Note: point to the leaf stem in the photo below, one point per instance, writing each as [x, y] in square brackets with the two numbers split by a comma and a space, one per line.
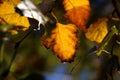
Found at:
[1, 53]
[54, 16]
[106, 40]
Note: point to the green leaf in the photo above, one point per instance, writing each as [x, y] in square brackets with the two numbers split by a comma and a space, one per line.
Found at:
[105, 41]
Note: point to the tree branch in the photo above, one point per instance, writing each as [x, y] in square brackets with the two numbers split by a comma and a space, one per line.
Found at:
[116, 7]
[17, 44]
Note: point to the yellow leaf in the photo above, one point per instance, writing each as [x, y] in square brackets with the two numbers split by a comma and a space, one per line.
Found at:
[13, 32]
[13, 2]
[70, 4]
[98, 30]
[9, 16]
[6, 8]
[17, 20]
[77, 11]
[64, 40]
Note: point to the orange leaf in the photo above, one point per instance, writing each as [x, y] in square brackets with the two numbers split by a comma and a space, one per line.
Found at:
[13, 2]
[77, 11]
[98, 30]
[63, 41]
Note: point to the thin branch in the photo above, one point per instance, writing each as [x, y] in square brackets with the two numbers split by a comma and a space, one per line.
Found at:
[81, 60]
[17, 44]
[74, 66]
[113, 44]
[52, 13]
[1, 53]
[116, 7]
[118, 42]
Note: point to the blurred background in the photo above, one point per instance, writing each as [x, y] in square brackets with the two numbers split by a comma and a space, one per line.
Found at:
[34, 62]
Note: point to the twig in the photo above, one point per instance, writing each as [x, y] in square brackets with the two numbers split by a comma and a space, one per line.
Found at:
[1, 53]
[74, 67]
[113, 45]
[118, 42]
[81, 60]
[116, 7]
[17, 44]
[54, 16]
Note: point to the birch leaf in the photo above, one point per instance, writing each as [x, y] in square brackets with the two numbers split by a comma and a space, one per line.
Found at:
[77, 11]
[63, 41]
[9, 16]
[97, 31]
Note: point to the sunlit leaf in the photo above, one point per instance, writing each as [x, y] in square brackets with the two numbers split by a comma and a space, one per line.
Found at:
[9, 16]
[6, 8]
[97, 31]
[63, 41]
[18, 21]
[13, 2]
[77, 11]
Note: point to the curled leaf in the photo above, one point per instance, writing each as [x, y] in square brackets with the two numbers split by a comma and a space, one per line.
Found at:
[63, 41]
[77, 11]
[97, 31]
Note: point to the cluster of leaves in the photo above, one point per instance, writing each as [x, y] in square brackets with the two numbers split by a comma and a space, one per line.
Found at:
[63, 38]
[78, 13]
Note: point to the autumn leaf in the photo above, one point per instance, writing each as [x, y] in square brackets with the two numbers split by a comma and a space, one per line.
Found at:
[77, 11]
[13, 2]
[6, 8]
[18, 21]
[63, 41]
[98, 30]
[9, 16]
